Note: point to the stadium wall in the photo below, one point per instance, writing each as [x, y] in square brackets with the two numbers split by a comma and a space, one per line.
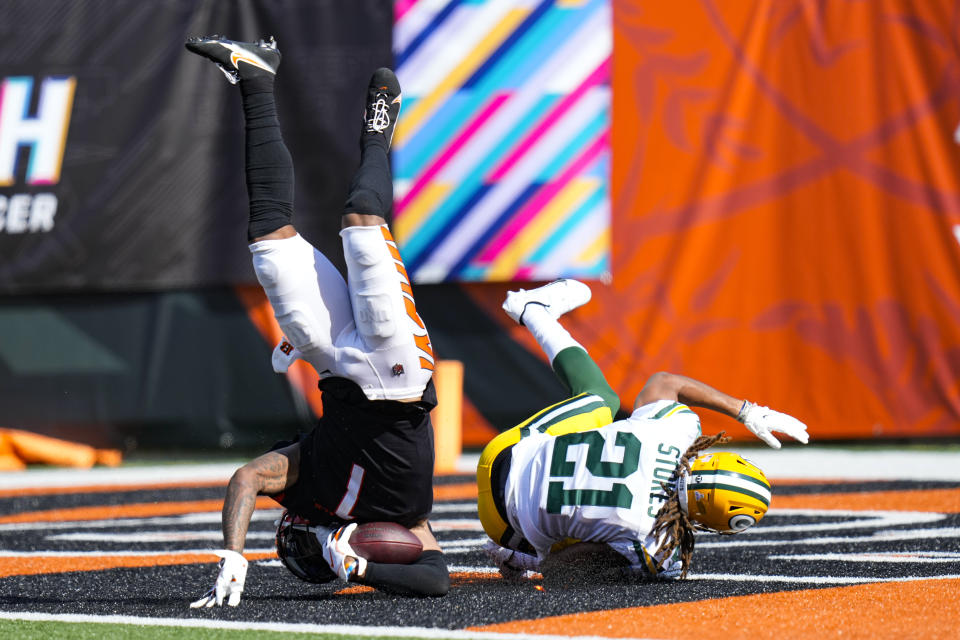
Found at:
[786, 185]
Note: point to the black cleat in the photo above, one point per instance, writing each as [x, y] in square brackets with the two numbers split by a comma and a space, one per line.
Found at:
[259, 57]
[383, 105]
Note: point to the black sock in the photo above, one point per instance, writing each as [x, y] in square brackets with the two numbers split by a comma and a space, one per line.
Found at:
[428, 576]
[269, 167]
[371, 190]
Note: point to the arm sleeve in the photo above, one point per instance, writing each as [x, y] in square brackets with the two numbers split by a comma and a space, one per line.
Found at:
[428, 576]
[580, 374]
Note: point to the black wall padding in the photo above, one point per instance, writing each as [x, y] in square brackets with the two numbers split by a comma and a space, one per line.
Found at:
[173, 370]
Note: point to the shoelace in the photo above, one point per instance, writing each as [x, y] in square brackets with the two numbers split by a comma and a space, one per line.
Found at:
[379, 120]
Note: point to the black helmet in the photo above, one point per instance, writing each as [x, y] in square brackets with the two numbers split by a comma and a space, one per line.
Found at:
[300, 551]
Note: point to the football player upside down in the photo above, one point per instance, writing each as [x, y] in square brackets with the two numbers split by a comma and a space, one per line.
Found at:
[370, 457]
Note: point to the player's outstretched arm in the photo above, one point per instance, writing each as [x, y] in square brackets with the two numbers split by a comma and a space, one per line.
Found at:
[670, 386]
[761, 421]
[268, 474]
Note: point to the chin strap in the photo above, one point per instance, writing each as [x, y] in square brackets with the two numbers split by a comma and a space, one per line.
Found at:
[682, 493]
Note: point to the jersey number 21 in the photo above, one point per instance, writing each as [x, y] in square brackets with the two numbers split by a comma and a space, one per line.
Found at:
[618, 495]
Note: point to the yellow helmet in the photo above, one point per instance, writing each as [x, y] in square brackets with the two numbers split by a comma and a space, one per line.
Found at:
[724, 493]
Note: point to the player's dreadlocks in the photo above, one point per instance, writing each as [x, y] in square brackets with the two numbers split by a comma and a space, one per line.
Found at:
[672, 523]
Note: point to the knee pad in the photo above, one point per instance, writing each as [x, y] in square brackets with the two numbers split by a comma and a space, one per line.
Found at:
[281, 263]
[297, 327]
[266, 270]
[280, 270]
[365, 247]
[373, 278]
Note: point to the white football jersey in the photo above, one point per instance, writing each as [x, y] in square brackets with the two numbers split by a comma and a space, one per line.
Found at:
[598, 485]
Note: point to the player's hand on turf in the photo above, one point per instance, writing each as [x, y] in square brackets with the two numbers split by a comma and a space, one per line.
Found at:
[513, 565]
[229, 584]
[761, 421]
[341, 557]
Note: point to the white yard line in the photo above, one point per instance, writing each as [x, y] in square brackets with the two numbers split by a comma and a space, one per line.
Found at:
[731, 577]
[360, 631]
[118, 554]
[828, 463]
[893, 557]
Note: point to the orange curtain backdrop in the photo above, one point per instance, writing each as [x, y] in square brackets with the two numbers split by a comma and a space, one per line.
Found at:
[785, 192]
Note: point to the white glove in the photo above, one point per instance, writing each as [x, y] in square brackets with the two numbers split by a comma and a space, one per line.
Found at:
[343, 560]
[229, 584]
[513, 565]
[761, 421]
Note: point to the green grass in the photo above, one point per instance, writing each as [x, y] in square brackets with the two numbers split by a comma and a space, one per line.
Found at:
[48, 630]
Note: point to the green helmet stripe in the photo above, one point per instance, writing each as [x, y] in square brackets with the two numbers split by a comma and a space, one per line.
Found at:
[706, 486]
[735, 474]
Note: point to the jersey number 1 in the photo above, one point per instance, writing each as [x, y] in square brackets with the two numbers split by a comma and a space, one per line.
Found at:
[618, 495]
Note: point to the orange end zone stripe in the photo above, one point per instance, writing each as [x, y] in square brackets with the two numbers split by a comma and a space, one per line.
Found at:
[485, 436]
[460, 578]
[138, 510]
[784, 482]
[354, 590]
[23, 566]
[457, 579]
[462, 491]
[108, 488]
[925, 608]
[26, 566]
[935, 500]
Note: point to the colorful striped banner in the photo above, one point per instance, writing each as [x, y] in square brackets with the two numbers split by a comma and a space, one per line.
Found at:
[501, 156]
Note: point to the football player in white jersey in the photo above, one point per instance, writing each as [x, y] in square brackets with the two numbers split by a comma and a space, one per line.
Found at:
[371, 456]
[570, 491]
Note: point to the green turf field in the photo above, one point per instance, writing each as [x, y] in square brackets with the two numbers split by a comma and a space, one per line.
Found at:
[45, 630]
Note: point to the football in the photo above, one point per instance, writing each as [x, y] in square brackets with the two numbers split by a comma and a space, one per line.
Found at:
[386, 542]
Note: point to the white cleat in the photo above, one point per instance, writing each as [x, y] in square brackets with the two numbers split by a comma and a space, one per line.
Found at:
[559, 297]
